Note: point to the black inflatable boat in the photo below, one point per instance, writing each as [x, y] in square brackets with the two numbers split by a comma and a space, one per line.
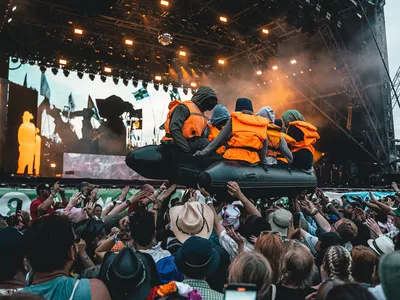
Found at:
[213, 173]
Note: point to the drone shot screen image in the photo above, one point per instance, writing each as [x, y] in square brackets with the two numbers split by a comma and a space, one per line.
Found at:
[78, 126]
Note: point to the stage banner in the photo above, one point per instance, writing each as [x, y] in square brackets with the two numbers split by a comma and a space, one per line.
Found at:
[9, 197]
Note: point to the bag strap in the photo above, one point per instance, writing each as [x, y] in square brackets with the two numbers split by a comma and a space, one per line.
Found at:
[74, 290]
[273, 294]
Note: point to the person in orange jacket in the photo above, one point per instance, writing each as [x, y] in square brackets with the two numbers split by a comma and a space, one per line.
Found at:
[282, 161]
[218, 120]
[276, 140]
[186, 124]
[244, 134]
[306, 136]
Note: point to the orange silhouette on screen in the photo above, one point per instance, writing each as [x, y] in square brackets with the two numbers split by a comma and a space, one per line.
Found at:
[38, 146]
[26, 141]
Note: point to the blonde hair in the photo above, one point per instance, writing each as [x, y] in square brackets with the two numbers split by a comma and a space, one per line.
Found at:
[252, 267]
[297, 266]
[271, 246]
[337, 263]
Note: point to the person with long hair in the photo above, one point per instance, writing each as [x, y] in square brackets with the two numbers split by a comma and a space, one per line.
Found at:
[337, 264]
[271, 246]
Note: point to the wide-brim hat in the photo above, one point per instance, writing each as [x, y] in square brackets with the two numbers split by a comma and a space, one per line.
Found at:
[389, 275]
[191, 219]
[126, 274]
[197, 258]
[381, 245]
[280, 221]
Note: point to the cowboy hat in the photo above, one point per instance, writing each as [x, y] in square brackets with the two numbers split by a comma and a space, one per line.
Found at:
[381, 245]
[191, 219]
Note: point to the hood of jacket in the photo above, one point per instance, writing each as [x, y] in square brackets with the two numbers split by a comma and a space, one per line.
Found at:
[205, 98]
[220, 115]
[267, 112]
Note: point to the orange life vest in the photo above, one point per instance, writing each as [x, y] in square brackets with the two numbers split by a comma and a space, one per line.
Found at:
[214, 131]
[274, 139]
[290, 141]
[194, 126]
[310, 136]
[248, 136]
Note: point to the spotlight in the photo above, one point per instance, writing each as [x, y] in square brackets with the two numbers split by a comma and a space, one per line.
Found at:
[107, 69]
[66, 73]
[164, 3]
[14, 60]
[78, 31]
[116, 80]
[135, 83]
[185, 91]
[310, 70]
[144, 84]
[103, 78]
[14, 8]
[275, 68]
[62, 61]
[301, 72]
[293, 62]
[223, 19]
[128, 42]
[125, 81]
[259, 72]
[165, 38]
[158, 78]
[53, 165]
[165, 88]
[156, 86]
[182, 53]
[91, 76]
[221, 61]
[80, 75]
[54, 71]
[9, 20]
[265, 31]
[193, 84]
[42, 69]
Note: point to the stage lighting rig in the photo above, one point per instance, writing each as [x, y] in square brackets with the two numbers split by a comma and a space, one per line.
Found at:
[165, 88]
[115, 80]
[66, 73]
[80, 74]
[125, 81]
[42, 69]
[91, 76]
[144, 84]
[135, 83]
[185, 90]
[54, 71]
[62, 61]
[14, 60]
[103, 78]
[156, 86]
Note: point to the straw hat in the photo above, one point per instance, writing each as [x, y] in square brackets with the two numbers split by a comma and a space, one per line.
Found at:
[192, 219]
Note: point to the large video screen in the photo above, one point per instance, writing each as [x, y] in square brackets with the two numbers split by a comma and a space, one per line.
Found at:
[86, 115]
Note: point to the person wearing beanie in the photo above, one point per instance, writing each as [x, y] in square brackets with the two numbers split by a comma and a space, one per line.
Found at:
[186, 124]
[276, 140]
[244, 134]
[218, 120]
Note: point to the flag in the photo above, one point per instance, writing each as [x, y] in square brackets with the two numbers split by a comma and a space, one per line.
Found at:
[71, 102]
[174, 95]
[141, 94]
[90, 104]
[44, 87]
[26, 80]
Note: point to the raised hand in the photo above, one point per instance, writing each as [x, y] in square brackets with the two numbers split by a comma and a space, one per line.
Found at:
[307, 206]
[234, 190]
[56, 187]
[203, 191]
[168, 192]
[75, 199]
[373, 226]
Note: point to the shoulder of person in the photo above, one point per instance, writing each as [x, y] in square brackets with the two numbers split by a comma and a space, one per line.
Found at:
[98, 290]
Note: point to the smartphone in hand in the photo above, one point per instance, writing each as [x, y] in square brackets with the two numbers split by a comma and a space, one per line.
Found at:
[296, 220]
[240, 291]
[19, 206]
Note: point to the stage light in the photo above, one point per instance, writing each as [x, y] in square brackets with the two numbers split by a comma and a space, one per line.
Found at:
[128, 42]
[125, 81]
[165, 88]
[53, 165]
[275, 68]
[165, 38]
[80, 75]
[182, 53]
[107, 69]
[62, 61]
[144, 84]
[156, 86]
[158, 77]
[185, 91]
[293, 62]
[66, 73]
[78, 31]
[9, 20]
[259, 72]
[193, 84]
[14, 8]
[42, 69]
[32, 62]
[221, 61]
[103, 78]
[54, 71]
[301, 72]
[116, 80]
[91, 76]
[310, 70]
[135, 83]
[294, 74]
[265, 31]
[164, 3]
[14, 60]
[223, 19]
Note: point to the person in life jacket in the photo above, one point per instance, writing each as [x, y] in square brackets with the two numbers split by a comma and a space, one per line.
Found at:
[244, 135]
[282, 160]
[186, 123]
[305, 135]
[218, 120]
[276, 140]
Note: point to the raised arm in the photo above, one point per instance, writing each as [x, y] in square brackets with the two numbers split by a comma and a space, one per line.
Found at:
[50, 200]
[234, 191]
[220, 140]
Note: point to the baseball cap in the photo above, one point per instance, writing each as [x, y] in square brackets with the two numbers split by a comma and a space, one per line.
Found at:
[42, 187]
[230, 216]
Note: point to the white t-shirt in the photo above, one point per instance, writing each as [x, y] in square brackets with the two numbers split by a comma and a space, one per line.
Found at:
[157, 252]
[231, 246]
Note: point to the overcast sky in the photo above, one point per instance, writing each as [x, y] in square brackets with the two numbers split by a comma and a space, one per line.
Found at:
[392, 11]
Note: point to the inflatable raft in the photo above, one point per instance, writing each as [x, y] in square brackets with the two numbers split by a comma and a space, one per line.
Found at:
[213, 173]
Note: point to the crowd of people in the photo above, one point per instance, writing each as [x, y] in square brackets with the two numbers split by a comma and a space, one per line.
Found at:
[154, 245]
